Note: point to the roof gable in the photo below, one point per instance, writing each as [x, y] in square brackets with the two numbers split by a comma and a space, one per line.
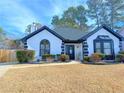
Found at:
[40, 30]
[71, 34]
[99, 28]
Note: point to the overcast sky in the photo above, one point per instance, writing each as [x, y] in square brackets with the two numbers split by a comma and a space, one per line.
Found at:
[15, 15]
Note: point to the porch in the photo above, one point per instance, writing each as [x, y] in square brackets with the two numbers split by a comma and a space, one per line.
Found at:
[74, 50]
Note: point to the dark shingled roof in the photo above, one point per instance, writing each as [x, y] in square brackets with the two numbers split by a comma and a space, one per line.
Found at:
[70, 33]
[67, 34]
[104, 27]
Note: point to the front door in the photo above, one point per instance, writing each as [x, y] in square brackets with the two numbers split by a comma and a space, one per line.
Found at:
[70, 51]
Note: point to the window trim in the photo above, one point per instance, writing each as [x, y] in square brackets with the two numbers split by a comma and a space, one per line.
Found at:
[102, 45]
[40, 53]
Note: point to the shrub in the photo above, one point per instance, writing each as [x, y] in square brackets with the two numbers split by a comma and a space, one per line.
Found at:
[96, 57]
[121, 52]
[102, 56]
[64, 57]
[48, 57]
[86, 59]
[120, 58]
[58, 56]
[108, 57]
[25, 55]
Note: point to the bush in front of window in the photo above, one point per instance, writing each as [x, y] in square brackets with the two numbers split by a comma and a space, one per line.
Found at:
[120, 57]
[121, 52]
[97, 57]
[48, 57]
[108, 57]
[58, 57]
[64, 57]
[86, 59]
[25, 55]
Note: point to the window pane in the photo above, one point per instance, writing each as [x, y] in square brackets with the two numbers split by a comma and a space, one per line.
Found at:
[98, 50]
[107, 45]
[97, 44]
[47, 46]
[107, 51]
[42, 46]
[42, 52]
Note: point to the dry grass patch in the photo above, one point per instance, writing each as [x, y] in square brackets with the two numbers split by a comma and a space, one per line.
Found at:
[76, 78]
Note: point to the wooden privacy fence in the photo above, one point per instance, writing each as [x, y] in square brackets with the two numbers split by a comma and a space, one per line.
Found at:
[8, 55]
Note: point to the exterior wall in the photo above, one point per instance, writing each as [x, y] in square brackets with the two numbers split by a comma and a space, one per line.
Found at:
[78, 50]
[122, 45]
[33, 43]
[102, 32]
[122, 42]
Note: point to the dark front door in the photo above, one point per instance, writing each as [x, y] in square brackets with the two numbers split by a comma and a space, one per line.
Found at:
[70, 51]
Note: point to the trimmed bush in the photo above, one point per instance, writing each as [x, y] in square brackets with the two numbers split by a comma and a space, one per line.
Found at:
[25, 55]
[58, 57]
[64, 57]
[121, 52]
[86, 59]
[96, 57]
[108, 57]
[48, 57]
[120, 58]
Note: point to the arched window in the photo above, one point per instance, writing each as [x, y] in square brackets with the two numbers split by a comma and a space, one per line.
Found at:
[44, 47]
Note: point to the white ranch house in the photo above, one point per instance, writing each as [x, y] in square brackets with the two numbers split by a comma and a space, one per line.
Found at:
[73, 42]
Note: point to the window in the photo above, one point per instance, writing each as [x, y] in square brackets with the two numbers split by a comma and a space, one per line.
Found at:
[107, 48]
[98, 47]
[104, 44]
[44, 47]
[103, 47]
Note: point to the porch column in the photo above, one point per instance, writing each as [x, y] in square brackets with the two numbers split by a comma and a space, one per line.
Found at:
[85, 48]
[62, 48]
[120, 45]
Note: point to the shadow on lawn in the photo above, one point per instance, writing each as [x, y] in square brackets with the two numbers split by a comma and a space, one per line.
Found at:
[101, 63]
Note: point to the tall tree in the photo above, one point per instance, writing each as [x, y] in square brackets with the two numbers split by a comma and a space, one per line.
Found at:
[14, 44]
[2, 35]
[106, 11]
[1, 30]
[73, 17]
[116, 8]
[55, 20]
[93, 11]
[33, 27]
[3, 39]
[81, 18]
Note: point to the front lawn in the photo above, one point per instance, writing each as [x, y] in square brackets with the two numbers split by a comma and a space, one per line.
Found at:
[75, 78]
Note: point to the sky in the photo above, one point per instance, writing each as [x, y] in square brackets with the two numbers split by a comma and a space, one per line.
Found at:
[15, 15]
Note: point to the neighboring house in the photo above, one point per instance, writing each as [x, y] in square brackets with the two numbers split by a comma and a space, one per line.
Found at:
[73, 42]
